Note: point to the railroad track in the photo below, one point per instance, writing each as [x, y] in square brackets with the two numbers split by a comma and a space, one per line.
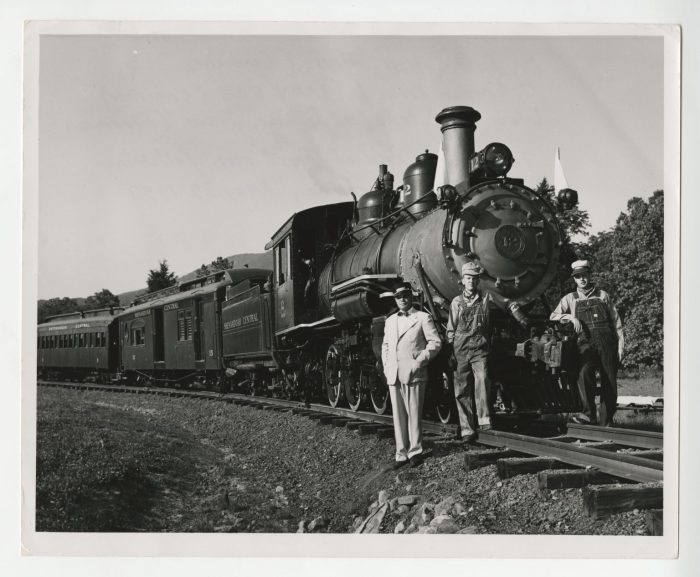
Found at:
[618, 470]
[363, 421]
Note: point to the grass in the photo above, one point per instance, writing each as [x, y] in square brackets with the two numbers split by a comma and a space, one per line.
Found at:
[101, 468]
[641, 386]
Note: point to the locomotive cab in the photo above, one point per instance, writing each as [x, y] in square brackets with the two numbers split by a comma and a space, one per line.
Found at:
[301, 248]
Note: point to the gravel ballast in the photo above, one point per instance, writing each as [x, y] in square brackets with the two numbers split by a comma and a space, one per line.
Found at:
[242, 469]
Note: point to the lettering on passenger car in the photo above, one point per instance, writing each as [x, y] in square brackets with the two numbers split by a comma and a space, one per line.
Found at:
[240, 321]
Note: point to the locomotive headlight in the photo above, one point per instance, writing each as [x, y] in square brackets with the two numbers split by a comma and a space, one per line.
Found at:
[494, 160]
[567, 198]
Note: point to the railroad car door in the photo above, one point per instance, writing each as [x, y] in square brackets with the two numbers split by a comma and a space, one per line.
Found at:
[112, 336]
[198, 337]
[284, 310]
[158, 336]
[210, 349]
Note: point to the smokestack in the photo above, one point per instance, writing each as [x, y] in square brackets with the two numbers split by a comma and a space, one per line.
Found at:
[458, 124]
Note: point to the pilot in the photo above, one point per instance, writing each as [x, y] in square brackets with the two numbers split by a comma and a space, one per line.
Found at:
[468, 332]
[600, 343]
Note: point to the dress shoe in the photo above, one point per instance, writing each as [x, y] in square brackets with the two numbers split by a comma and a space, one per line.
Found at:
[399, 464]
[469, 439]
[581, 419]
[416, 461]
[484, 428]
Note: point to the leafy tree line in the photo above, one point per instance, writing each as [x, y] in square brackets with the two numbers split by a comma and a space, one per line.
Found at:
[157, 279]
[627, 262]
[103, 299]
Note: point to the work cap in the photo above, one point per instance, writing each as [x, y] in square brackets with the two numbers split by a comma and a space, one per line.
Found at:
[471, 269]
[580, 266]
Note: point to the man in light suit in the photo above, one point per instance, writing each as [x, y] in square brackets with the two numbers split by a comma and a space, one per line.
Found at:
[410, 342]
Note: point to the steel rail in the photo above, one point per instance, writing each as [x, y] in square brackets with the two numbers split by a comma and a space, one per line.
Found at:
[368, 417]
[428, 426]
[629, 437]
[621, 465]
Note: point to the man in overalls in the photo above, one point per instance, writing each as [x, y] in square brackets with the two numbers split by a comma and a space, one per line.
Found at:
[600, 343]
[468, 333]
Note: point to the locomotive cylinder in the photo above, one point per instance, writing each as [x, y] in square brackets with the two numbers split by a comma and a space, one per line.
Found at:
[458, 124]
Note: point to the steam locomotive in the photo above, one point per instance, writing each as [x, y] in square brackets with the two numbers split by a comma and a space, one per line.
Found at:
[313, 325]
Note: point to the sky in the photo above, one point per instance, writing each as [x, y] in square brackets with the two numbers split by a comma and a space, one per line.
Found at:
[186, 148]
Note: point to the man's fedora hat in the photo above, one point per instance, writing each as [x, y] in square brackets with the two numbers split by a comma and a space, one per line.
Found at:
[399, 289]
[580, 266]
[471, 269]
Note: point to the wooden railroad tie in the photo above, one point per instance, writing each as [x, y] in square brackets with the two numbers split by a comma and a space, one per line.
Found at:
[653, 454]
[655, 522]
[275, 408]
[476, 459]
[513, 467]
[302, 411]
[600, 502]
[369, 428]
[353, 425]
[569, 479]
[326, 419]
[340, 421]
[315, 415]
[385, 432]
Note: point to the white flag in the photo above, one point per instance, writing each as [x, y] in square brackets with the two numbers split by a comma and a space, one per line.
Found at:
[441, 170]
[559, 178]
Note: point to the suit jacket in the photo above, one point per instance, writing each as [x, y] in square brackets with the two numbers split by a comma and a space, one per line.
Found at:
[406, 356]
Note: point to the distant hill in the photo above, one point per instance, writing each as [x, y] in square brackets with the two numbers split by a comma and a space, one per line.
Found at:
[253, 260]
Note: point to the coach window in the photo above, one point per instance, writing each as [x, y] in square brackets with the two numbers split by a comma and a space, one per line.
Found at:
[138, 336]
[181, 332]
[188, 318]
[184, 325]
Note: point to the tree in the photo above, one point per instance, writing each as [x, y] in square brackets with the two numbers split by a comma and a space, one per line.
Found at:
[56, 306]
[574, 222]
[103, 299]
[160, 278]
[221, 264]
[215, 265]
[629, 263]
